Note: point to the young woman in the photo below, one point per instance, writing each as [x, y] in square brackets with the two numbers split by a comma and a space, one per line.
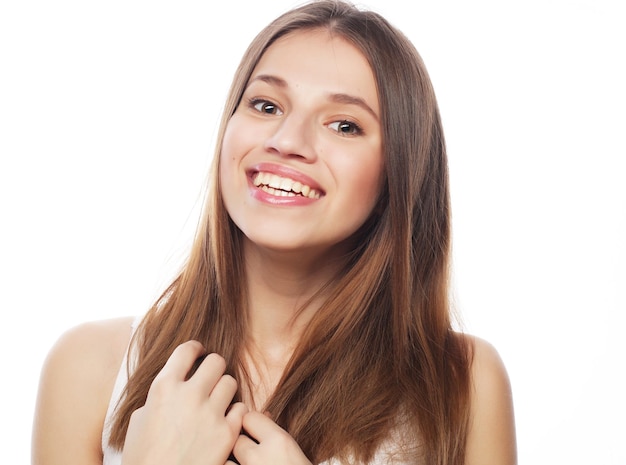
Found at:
[311, 321]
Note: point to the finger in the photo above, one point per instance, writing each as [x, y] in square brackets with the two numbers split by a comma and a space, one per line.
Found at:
[235, 415]
[209, 373]
[258, 425]
[181, 360]
[195, 366]
[244, 448]
[223, 392]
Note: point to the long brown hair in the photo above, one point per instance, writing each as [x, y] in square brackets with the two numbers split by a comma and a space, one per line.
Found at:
[380, 355]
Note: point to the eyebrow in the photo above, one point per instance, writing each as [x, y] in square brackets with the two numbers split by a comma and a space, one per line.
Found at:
[352, 100]
[269, 79]
[341, 98]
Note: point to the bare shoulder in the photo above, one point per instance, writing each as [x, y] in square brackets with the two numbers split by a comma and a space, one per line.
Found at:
[90, 350]
[491, 438]
[74, 391]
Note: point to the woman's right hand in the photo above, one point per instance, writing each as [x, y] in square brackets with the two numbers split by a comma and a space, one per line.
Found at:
[186, 421]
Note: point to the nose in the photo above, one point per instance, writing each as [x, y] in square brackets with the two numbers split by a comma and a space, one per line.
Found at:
[293, 136]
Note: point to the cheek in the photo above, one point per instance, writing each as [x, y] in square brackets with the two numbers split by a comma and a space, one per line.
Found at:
[366, 176]
[228, 143]
[240, 137]
[231, 150]
[371, 183]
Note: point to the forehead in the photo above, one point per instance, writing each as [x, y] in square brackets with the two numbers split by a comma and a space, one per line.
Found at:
[319, 60]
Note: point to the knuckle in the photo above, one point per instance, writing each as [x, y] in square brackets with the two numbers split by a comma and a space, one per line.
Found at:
[225, 434]
[189, 347]
[216, 361]
[229, 381]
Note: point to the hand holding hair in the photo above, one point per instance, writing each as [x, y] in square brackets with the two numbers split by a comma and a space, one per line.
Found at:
[187, 420]
[266, 442]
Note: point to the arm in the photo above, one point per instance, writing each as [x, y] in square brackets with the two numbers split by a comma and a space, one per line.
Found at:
[491, 439]
[74, 390]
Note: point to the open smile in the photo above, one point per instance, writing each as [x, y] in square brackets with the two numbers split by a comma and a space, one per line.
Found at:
[283, 186]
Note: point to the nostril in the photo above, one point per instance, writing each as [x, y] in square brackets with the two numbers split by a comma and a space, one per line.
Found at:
[293, 137]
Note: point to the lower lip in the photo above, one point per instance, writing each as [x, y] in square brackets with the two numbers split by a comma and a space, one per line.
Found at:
[265, 197]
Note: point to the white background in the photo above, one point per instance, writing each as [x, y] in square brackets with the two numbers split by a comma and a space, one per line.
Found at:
[108, 112]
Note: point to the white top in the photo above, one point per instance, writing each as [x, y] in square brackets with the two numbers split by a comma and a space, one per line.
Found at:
[388, 454]
[110, 455]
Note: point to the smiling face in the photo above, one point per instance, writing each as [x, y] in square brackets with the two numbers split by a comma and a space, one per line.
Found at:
[301, 162]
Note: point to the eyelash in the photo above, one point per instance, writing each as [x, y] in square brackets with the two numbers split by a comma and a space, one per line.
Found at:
[261, 105]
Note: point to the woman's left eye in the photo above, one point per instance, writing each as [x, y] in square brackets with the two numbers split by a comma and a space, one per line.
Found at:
[347, 128]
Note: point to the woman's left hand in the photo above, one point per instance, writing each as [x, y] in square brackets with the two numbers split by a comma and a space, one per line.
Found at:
[270, 443]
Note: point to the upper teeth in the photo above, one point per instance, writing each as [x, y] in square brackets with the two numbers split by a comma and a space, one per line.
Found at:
[277, 185]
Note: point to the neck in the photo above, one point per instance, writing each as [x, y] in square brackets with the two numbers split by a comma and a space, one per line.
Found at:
[285, 290]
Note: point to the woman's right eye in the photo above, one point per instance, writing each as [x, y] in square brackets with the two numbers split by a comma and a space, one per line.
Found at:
[265, 106]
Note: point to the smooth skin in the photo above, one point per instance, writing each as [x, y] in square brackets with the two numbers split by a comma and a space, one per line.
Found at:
[78, 376]
[181, 418]
[318, 125]
[312, 117]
